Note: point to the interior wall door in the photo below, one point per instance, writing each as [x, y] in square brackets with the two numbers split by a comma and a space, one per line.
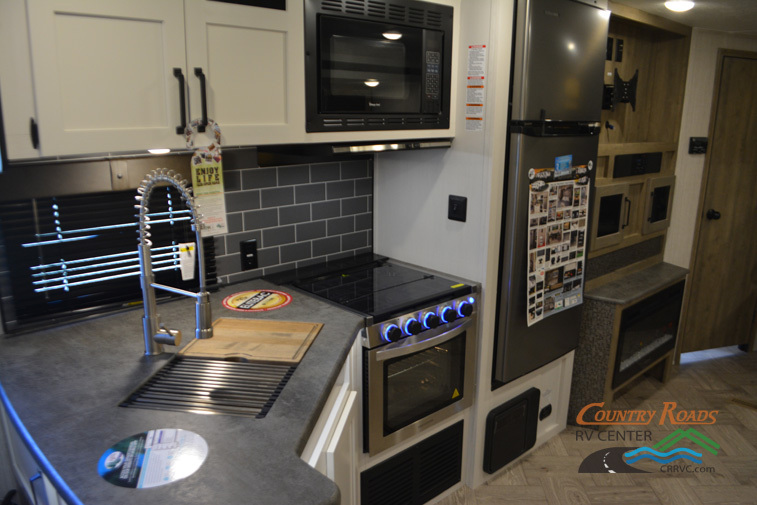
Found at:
[723, 283]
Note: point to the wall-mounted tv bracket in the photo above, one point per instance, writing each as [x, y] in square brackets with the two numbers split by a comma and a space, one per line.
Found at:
[625, 91]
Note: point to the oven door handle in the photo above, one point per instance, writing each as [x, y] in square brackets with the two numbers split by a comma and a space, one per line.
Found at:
[409, 346]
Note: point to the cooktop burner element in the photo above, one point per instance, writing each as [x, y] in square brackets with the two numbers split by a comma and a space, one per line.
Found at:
[374, 286]
[381, 289]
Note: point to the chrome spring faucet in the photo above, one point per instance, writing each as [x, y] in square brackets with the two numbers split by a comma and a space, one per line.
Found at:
[155, 333]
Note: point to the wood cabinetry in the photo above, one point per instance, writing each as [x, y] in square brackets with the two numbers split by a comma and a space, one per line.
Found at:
[658, 49]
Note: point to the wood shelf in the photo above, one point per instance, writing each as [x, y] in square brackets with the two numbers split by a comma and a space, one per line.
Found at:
[636, 148]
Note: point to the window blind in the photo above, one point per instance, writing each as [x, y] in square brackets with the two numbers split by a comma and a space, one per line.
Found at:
[67, 257]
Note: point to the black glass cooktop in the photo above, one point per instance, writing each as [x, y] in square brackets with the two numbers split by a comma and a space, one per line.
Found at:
[380, 288]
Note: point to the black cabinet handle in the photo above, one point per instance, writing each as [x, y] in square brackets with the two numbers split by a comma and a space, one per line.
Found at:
[182, 101]
[34, 133]
[203, 98]
[628, 212]
[713, 215]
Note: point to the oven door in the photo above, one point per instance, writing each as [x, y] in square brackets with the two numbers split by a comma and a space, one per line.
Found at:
[417, 382]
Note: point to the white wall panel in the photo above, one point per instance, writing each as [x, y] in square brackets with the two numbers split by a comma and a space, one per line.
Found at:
[695, 122]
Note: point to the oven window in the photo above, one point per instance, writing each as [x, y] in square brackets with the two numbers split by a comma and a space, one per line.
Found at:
[364, 67]
[422, 383]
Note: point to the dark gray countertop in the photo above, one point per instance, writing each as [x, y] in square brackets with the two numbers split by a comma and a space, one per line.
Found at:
[638, 284]
[65, 384]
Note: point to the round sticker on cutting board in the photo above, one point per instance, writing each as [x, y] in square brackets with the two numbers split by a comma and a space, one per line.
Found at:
[153, 458]
[257, 300]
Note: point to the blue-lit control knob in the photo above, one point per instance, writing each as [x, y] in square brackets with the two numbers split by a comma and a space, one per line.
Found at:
[448, 315]
[392, 333]
[413, 327]
[430, 320]
[464, 309]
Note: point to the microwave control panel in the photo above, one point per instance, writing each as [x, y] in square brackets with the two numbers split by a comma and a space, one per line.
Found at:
[433, 74]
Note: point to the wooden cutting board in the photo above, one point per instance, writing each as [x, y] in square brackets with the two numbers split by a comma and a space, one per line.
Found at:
[255, 340]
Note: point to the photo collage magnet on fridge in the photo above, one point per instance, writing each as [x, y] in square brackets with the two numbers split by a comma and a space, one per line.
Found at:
[558, 210]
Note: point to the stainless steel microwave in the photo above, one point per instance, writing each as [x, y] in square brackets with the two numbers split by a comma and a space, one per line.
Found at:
[375, 65]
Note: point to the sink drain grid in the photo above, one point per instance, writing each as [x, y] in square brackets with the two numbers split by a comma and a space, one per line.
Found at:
[210, 386]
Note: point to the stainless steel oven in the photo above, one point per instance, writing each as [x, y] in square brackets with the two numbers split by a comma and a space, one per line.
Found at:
[419, 341]
[418, 370]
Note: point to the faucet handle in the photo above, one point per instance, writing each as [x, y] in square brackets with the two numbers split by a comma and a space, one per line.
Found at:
[168, 337]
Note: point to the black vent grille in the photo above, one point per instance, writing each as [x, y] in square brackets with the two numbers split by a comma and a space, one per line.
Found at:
[418, 474]
[379, 123]
[418, 16]
[209, 386]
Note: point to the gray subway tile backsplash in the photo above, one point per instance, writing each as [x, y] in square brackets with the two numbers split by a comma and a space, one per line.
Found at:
[328, 245]
[278, 236]
[300, 214]
[310, 193]
[352, 241]
[294, 214]
[326, 210]
[276, 197]
[340, 189]
[294, 174]
[340, 226]
[310, 231]
[235, 222]
[295, 252]
[242, 200]
[356, 205]
[259, 219]
[354, 169]
[320, 172]
[259, 178]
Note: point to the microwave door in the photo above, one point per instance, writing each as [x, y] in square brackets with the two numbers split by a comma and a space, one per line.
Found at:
[369, 67]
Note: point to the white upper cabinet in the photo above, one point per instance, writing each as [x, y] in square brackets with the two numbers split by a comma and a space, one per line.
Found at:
[253, 63]
[16, 81]
[104, 77]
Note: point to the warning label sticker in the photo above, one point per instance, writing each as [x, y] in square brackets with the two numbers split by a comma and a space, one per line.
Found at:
[257, 300]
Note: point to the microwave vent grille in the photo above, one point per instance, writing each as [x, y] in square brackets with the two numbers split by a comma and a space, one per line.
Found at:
[376, 8]
[378, 122]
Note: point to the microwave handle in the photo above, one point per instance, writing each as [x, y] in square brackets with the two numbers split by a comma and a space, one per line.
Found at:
[409, 346]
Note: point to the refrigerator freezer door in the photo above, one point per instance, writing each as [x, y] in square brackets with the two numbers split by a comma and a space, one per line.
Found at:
[559, 60]
[520, 349]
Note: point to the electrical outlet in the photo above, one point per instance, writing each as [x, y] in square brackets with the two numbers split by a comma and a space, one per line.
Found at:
[458, 208]
[248, 253]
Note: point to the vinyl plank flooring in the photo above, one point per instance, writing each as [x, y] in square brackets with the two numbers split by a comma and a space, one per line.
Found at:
[706, 380]
[727, 495]
[674, 492]
[561, 490]
[622, 495]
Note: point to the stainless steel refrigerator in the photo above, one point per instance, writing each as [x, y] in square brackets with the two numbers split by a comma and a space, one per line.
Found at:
[559, 49]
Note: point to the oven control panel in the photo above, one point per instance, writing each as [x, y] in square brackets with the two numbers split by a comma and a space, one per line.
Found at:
[416, 323]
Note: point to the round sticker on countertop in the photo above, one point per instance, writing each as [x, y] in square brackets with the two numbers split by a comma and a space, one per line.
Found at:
[257, 300]
[153, 458]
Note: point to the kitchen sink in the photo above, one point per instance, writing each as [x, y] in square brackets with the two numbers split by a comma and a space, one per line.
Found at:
[213, 386]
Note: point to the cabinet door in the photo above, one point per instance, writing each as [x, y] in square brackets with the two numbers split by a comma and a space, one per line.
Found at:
[253, 62]
[16, 80]
[103, 74]
[341, 453]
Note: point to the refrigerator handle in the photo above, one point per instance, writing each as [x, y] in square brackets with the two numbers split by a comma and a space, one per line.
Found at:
[628, 212]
